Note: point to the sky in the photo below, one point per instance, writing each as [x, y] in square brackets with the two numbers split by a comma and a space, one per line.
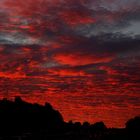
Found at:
[82, 56]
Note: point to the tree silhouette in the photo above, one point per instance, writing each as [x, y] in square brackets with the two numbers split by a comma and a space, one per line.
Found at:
[133, 124]
[19, 118]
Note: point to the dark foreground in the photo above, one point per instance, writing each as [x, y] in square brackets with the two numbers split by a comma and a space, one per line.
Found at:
[20, 120]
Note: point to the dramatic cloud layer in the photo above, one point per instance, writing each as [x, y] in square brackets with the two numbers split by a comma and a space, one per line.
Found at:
[80, 55]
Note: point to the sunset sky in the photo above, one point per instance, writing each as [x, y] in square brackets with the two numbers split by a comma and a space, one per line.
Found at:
[82, 56]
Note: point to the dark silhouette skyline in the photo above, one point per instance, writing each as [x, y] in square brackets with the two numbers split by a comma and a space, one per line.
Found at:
[20, 119]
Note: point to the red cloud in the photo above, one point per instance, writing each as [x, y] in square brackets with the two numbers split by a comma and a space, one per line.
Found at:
[74, 18]
[75, 59]
[15, 75]
[67, 72]
[109, 70]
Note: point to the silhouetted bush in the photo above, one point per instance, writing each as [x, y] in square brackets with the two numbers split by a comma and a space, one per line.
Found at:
[98, 126]
[133, 124]
[133, 128]
[20, 116]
